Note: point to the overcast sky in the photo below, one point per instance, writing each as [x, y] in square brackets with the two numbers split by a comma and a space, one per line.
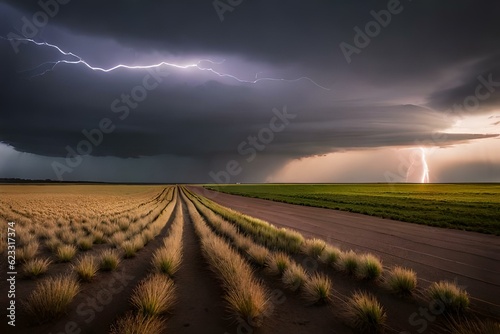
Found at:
[250, 91]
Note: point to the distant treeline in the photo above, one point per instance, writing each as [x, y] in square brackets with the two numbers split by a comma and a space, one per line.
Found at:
[17, 180]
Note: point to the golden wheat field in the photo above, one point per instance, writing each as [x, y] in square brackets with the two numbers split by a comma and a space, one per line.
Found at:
[80, 216]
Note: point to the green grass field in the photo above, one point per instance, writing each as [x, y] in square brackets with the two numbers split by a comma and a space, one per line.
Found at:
[472, 207]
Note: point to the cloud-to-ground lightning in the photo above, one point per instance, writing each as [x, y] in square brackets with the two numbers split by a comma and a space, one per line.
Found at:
[79, 60]
[425, 167]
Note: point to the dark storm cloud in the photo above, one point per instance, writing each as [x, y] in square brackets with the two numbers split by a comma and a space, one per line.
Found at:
[478, 88]
[424, 37]
[431, 51]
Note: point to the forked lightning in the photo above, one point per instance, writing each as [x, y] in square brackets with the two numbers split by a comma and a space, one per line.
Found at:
[77, 60]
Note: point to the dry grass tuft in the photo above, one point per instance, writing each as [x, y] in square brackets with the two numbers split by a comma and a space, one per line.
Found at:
[86, 243]
[365, 314]
[131, 247]
[167, 260]
[28, 252]
[401, 281]
[66, 253]
[147, 236]
[250, 300]
[289, 240]
[349, 262]
[98, 237]
[109, 259]
[86, 268]
[154, 296]
[370, 267]
[123, 223]
[53, 244]
[51, 298]
[36, 267]
[314, 247]
[258, 254]
[317, 289]
[294, 277]
[240, 241]
[138, 324]
[117, 239]
[330, 255]
[453, 297]
[277, 263]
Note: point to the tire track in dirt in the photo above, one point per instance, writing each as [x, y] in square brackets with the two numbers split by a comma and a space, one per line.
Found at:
[200, 308]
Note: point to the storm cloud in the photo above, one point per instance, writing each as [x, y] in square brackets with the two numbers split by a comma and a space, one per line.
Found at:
[399, 89]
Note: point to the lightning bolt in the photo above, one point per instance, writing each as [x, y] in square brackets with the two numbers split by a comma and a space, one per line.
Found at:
[77, 60]
[410, 169]
[425, 167]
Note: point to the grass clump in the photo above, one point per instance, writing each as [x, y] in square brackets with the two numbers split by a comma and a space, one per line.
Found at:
[448, 293]
[258, 254]
[131, 247]
[28, 252]
[86, 243]
[317, 289]
[109, 259]
[117, 239]
[250, 300]
[167, 260]
[123, 224]
[370, 267]
[401, 281]
[294, 277]
[278, 262]
[365, 314]
[289, 240]
[98, 237]
[330, 255]
[66, 253]
[154, 295]
[147, 236]
[67, 236]
[51, 298]
[240, 241]
[349, 262]
[36, 267]
[314, 247]
[138, 324]
[86, 268]
[53, 244]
